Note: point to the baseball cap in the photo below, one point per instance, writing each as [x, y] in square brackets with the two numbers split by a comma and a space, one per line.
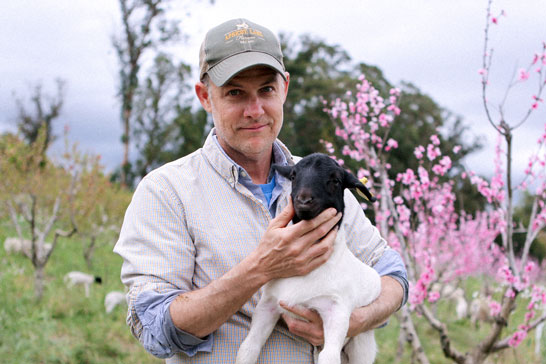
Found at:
[235, 46]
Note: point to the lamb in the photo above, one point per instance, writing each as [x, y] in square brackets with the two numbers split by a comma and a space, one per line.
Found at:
[113, 299]
[449, 292]
[480, 310]
[79, 278]
[24, 246]
[334, 289]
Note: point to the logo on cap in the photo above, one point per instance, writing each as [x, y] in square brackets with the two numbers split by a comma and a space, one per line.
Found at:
[244, 34]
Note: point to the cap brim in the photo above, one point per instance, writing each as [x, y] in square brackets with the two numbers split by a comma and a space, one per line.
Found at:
[229, 67]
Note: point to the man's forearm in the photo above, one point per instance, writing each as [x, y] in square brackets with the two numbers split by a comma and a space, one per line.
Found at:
[379, 311]
[202, 311]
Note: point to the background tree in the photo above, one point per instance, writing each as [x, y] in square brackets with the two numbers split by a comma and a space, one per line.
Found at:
[144, 27]
[101, 225]
[167, 126]
[438, 242]
[45, 109]
[43, 198]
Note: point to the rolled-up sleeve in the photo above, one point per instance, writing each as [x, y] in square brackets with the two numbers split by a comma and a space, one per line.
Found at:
[159, 335]
[391, 264]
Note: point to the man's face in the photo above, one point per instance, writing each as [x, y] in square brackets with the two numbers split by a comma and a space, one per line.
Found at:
[247, 111]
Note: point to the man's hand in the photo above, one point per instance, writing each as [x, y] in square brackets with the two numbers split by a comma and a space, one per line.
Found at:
[295, 250]
[310, 327]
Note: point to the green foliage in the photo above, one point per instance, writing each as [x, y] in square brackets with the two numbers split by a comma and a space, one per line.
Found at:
[45, 109]
[47, 199]
[167, 127]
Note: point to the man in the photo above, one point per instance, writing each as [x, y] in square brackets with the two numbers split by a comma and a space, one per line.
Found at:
[204, 233]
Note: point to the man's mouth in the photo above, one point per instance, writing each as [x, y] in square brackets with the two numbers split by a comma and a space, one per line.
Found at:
[256, 127]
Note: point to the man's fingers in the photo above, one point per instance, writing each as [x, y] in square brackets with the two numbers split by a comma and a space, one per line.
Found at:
[309, 326]
[318, 226]
[284, 217]
[300, 311]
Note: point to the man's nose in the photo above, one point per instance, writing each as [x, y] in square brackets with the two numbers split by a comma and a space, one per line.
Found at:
[254, 108]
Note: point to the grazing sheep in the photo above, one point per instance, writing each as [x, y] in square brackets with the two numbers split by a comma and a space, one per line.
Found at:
[480, 310]
[79, 278]
[450, 292]
[334, 289]
[24, 246]
[113, 299]
[16, 245]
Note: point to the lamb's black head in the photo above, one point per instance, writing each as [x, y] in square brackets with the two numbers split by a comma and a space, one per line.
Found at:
[318, 183]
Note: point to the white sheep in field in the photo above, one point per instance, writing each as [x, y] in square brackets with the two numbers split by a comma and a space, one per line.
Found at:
[450, 292]
[480, 310]
[24, 246]
[74, 278]
[16, 245]
[334, 289]
[113, 299]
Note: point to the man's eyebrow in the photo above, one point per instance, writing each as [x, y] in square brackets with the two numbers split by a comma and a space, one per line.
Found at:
[269, 80]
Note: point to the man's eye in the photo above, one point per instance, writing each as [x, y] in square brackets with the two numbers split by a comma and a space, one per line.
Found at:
[234, 92]
[268, 89]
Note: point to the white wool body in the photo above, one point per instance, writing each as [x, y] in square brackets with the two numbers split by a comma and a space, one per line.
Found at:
[113, 299]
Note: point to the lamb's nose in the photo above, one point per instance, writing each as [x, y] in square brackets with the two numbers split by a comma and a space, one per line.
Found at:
[304, 198]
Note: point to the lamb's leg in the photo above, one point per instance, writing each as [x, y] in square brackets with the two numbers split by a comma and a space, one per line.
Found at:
[265, 317]
[361, 349]
[335, 319]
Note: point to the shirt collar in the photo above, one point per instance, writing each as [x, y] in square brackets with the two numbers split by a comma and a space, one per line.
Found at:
[230, 170]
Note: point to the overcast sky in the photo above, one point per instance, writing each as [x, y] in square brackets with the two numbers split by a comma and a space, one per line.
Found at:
[435, 44]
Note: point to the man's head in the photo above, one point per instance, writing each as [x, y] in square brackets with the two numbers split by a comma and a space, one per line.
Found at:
[248, 89]
[235, 46]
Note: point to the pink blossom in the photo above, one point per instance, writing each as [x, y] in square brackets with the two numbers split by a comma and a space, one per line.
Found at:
[435, 140]
[529, 316]
[517, 338]
[432, 152]
[433, 297]
[419, 152]
[391, 144]
[523, 75]
[494, 308]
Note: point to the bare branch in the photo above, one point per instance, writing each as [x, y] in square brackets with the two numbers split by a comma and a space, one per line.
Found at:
[439, 326]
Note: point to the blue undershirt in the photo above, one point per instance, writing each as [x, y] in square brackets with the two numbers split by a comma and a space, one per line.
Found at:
[267, 189]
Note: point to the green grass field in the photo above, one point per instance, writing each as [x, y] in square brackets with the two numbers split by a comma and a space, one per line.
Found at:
[67, 327]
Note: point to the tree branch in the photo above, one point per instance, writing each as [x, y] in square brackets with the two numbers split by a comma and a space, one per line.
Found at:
[449, 351]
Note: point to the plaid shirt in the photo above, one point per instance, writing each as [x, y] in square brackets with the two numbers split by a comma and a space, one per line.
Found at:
[190, 222]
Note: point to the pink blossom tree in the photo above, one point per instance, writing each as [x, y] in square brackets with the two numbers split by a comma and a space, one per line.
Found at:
[416, 210]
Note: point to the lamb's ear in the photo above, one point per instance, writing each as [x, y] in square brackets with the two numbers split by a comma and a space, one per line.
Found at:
[283, 170]
[350, 181]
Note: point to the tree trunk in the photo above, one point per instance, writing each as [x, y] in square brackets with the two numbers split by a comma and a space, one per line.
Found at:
[39, 282]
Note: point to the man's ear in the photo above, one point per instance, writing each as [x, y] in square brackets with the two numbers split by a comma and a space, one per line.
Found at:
[286, 84]
[203, 94]
[284, 171]
[350, 181]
